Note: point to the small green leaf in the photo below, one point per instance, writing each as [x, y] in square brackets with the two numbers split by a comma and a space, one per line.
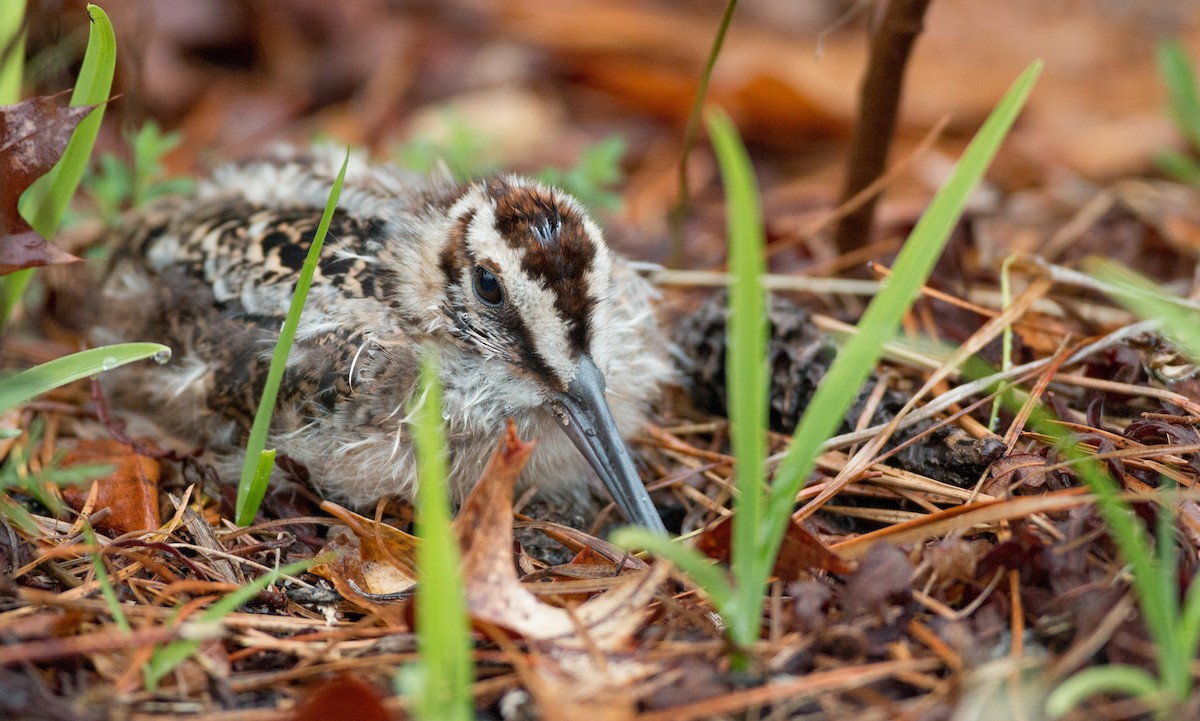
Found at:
[61, 371]
[46, 200]
[1128, 680]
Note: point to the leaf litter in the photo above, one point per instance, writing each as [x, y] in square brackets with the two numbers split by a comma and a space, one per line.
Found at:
[912, 593]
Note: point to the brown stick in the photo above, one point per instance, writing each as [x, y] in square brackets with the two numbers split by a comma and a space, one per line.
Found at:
[679, 212]
[879, 101]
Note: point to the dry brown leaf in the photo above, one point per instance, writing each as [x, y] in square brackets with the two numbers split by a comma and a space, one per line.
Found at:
[371, 560]
[343, 697]
[800, 554]
[130, 492]
[584, 543]
[495, 594]
[33, 135]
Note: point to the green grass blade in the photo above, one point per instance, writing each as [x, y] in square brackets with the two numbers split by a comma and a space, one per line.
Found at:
[1128, 680]
[442, 628]
[12, 289]
[1141, 296]
[1176, 631]
[266, 405]
[701, 569]
[106, 587]
[61, 371]
[12, 65]
[746, 370]
[1179, 166]
[260, 480]
[45, 201]
[879, 323]
[166, 658]
[1188, 627]
[1177, 73]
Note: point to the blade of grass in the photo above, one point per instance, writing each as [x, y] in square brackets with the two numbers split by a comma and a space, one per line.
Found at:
[12, 64]
[1188, 627]
[1178, 166]
[166, 658]
[1129, 680]
[1141, 296]
[45, 201]
[746, 345]
[106, 587]
[1176, 69]
[246, 507]
[879, 323]
[443, 632]
[61, 371]
[703, 571]
[260, 480]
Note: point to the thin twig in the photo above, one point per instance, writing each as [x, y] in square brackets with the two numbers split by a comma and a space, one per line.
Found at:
[679, 212]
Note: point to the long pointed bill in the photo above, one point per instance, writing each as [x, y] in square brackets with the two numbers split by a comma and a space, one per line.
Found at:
[588, 422]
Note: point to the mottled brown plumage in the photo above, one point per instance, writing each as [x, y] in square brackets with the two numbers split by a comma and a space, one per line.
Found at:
[507, 282]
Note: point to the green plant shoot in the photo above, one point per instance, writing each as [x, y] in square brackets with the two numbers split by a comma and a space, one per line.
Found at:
[741, 603]
[253, 484]
[441, 683]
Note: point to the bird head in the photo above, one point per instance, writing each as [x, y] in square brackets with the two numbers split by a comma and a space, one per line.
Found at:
[529, 284]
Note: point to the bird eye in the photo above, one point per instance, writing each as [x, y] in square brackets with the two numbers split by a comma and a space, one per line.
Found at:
[487, 287]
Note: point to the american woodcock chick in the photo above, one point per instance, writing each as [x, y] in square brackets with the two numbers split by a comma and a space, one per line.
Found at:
[509, 282]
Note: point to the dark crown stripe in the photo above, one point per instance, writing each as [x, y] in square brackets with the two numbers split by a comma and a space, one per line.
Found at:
[558, 252]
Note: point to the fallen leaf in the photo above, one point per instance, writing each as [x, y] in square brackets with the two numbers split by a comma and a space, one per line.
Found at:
[583, 666]
[388, 554]
[373, 566]
[33, 135]
[800, 553]
[29, 250]
[1015, 470]
[130, 492]
[884, 578]
[344, 698]
[496, 596]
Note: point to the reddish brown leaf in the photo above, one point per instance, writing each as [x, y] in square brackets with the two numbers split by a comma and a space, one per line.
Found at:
[800, 553]
[344, 698]
[883, 578]
[29, 250]
[33, 135]
[1013, 470]
[130, 492]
